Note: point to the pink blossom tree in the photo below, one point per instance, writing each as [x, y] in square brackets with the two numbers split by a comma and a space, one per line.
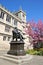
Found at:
[35, 30]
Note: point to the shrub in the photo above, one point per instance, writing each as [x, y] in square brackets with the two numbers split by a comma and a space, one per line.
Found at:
[35, 52]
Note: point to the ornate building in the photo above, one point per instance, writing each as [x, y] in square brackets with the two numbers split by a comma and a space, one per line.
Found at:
[8, 21]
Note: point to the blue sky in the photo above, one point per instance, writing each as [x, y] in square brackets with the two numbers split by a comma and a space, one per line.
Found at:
[33, 8]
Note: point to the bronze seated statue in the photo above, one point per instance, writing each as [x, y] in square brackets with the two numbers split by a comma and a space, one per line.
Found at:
[17, 35]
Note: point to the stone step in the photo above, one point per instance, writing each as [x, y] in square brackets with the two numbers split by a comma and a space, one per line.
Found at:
[18, 57]
[10, 59]
[19, 60]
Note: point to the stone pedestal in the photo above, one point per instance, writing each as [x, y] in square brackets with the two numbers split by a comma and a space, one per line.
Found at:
[16, 48]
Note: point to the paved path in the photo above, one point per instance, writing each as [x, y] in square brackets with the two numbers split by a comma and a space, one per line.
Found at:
[36, 60]
[4, 62]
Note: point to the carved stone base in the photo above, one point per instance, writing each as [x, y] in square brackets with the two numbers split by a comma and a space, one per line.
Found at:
[16, 48]
[16, 52]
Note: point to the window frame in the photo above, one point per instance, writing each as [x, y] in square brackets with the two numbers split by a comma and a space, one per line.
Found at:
[9, 38]
[7, 28]
[15, 22]
[4, 38]
[8, 18]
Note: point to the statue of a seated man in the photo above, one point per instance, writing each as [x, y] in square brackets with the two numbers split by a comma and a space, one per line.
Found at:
[17, 35]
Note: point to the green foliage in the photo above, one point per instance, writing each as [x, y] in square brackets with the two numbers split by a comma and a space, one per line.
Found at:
[35, 52]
